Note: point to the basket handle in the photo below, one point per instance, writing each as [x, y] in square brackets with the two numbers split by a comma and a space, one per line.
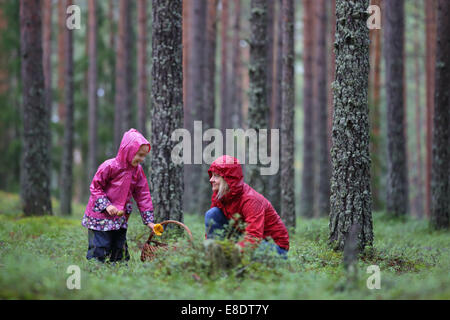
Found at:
[174, 222]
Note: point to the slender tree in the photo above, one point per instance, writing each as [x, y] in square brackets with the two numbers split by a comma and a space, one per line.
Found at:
[430, 60]
[225, 110]
[66, 176]
[276, 104]
[397, 185]
[323, 179]
[375, 114]
[287, 116]
[307, 195]
[440, 178]
[235, 84]
[258, 107]
[92, 88]
[123, 97]
[62, 5]
[166, 183]
[351, 200]
[142, 66]
[35, 171]
[209, 104]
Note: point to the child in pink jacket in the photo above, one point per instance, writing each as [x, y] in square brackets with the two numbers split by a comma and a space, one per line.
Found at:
[109, 207]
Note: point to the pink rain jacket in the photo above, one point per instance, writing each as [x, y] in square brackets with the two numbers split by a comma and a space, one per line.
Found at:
[115, 182]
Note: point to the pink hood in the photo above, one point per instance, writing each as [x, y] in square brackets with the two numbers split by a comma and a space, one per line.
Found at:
[117, 180]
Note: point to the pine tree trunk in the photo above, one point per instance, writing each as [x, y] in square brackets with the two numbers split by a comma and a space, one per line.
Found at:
[418, 201]
[276, 105]
[323, 195]
[440, 178]
[374, 105]
[397, 184]
[66, 177]
[166, 182]
[225, 112]
[351, 200]
[47, 51]
[258, 107]
[209, 91]
[62, 5]
[287, 117]
[142, 66]
[123, 98]
[92, 88]
[236, 87]
[430, 59]
[307, 195]
[35, 171]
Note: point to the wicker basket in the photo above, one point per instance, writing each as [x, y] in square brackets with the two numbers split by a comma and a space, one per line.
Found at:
[152, 247]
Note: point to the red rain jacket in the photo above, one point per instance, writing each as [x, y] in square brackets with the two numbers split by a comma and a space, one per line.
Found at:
[261, 219]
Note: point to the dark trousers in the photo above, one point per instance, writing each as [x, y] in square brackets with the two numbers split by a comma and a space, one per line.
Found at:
[108, 245]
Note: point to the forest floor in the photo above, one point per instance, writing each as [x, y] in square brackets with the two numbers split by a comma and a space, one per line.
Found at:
[36, 252]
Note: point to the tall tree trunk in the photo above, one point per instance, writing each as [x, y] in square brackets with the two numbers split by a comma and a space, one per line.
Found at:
[276, 104]
[62, 6]
[259, 107]
[397, 185]
[142, 66]
[418, 201]
[35, 172]
[374, 105]
[209, 88]
[351, 199]
[323, 195]
[331, 69]
[236, 87]
[166, 183]
[66, 177]
[92, 88]
[287, 117]
[270, 53]
[123, 98]
[307, 195]
[430, 44]
[440, 178]
[225, 112]
[47, 51]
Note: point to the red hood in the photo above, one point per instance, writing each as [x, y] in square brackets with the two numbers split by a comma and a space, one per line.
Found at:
[131, 142]
[230, 169]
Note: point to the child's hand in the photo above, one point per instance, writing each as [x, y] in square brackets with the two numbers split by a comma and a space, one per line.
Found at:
[112, 210]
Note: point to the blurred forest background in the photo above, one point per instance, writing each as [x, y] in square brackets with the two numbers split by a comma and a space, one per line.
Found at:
[98, 84]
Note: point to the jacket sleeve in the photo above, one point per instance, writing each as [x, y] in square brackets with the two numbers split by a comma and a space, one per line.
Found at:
[141, 194]
[253, 214]
[98, 185]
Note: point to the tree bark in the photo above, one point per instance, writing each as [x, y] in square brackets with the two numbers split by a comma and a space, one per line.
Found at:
[66, 177]
[225, 112]
[440, 178]
[166, 183]
[307, 195]
[123, 98]
[62, 5]
[35, 172]
[92, 88]
[430, 60]
[287, 117]
[236, 87]
[351, 201]
[397, 184]
[276, 104]
[375, 118]
[142, 66]
[323, 195]
[259, 107]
